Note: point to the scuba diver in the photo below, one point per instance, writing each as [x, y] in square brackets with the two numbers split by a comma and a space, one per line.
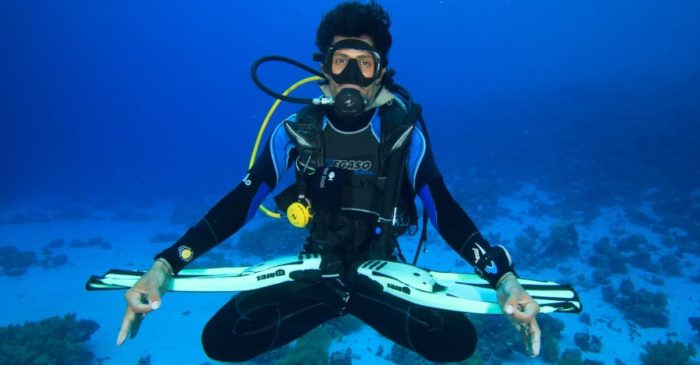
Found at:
[359, 158]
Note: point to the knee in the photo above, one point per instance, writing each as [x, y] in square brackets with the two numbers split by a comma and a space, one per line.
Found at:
[223, 345]
[454, 351]
[451, 338]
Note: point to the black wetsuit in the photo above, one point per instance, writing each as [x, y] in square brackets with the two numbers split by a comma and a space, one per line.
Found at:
[256, 321]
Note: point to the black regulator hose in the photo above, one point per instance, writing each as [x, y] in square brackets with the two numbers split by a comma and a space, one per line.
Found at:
[388, 83]
[276, 95]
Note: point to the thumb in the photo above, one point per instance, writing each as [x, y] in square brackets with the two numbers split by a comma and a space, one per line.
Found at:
[508, 309]
[154, 300]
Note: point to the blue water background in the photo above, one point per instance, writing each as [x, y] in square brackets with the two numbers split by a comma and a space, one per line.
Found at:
[154, 99]
[128, 103]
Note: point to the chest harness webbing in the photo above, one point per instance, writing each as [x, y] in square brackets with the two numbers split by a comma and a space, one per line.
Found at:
[392, 198]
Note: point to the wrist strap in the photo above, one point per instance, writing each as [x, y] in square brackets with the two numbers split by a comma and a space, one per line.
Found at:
[494, 264]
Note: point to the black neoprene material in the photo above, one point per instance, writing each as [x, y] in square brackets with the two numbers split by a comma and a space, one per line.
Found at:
[453, 223]
[255, 322]
[428, 170]
[229, 214]
[494, 264]
[260, 320]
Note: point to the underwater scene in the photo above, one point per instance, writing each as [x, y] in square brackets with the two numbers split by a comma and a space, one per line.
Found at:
[569, 131]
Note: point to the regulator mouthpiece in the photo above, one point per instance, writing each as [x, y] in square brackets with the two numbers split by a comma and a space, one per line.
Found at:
[349, 103]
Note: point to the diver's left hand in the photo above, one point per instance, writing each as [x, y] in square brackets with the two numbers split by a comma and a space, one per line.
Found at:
[521, 310]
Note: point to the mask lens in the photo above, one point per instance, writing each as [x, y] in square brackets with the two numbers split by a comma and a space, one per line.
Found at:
[366, 61]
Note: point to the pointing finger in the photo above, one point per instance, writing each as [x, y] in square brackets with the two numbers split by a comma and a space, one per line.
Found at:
[534, 337]
[126, 324]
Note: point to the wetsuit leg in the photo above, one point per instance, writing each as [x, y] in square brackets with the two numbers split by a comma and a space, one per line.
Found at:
[437, 335]
[257, 321]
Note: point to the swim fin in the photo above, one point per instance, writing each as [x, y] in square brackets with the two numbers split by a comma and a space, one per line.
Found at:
[453, 291]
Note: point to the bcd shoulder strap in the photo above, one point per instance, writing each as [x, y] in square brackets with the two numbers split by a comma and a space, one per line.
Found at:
[396, 133]
[306, 135]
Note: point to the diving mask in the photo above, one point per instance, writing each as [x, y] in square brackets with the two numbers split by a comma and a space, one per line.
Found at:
[352, 61]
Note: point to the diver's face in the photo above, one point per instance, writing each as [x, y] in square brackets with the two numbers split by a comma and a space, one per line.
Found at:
[369, 91]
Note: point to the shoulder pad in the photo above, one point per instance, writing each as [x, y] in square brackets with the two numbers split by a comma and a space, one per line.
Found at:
[305, 134]
[397, 123]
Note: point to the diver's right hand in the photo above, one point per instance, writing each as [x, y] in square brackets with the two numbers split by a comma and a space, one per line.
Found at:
[144, 297]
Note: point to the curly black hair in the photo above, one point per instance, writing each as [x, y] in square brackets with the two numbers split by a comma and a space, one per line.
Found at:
[353, 19]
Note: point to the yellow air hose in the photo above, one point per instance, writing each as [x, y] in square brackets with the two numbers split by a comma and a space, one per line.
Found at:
[261, 132]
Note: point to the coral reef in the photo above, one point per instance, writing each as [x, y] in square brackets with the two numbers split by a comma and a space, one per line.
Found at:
[642, 260]
[49, 259]
[341, 358]
[582, 199]
[55, 340]
[498, 340]
[342, 326]
[646, 309]
[311, 349]
[607, 261]
[26, 218]
[57, 243]
[585, 318]
[563, 240]
[677, 210]
[667, 353]
[92, 242]
[161, 237]
[549, 350]
[527, 246]
[588, 343]
[535, 251]
[632, 243]
[271, 357]
[638, 216]
[654, 280]
[551, 334]
[402, 355]
[571, 357]
[669, 264]
[695, 324]
[53, 261]
[636, 249]
[14, 262]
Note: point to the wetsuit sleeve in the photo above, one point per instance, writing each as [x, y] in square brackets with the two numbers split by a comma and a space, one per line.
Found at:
[236, 208]
[450, 220]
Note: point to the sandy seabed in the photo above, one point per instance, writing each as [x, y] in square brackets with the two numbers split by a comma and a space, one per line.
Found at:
[172, 334]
